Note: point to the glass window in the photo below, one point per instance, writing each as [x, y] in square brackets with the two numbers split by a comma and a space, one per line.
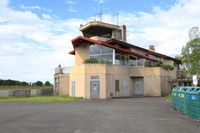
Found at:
[105, 50]
[133, 62]
[140, 62]
[101, 53]
[107, 57]
[94, 49]
[98, 57]
[116, 85]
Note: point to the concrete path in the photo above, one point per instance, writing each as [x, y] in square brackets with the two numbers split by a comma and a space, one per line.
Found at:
[134, 115]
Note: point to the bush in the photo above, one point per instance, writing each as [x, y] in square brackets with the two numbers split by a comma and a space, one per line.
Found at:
[166, 67]
[91, 61]
[95, 61]
[47, 83]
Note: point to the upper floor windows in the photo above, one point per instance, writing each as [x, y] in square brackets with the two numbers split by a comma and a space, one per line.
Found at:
[101, 53]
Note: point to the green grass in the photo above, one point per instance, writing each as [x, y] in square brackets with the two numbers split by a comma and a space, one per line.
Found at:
[168, 98]
[46, 99]
[24, 87]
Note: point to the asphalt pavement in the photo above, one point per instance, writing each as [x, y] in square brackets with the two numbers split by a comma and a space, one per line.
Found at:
[133, 115]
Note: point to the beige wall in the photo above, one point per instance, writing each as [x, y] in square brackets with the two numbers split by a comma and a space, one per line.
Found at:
[121, 73]
[155, 79]
[77, 75]
[82, 53]
[63, 83]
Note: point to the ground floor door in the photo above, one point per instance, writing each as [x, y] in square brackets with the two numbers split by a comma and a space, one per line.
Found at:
[126, 90]
[94, 89]
[139, 86]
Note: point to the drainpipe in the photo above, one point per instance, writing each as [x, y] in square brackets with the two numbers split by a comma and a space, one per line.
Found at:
[113, 56]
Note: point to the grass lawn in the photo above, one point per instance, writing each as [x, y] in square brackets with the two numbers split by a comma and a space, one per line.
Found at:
[169, 98]
[45, 99]
[24, 87]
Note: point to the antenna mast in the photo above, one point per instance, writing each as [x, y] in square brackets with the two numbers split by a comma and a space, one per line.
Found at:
[101, 12]
[117, 18]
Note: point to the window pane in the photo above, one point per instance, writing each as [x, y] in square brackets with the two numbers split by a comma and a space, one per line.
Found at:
[140, 62]
[133, 62]
[98, 57]
[106, 50]
[94, 49]
[116, 85]
[107, 57]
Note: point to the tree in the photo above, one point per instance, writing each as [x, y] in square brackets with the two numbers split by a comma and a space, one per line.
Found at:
[24, 83]
[47, 83]
[190, 57]
[38, 83]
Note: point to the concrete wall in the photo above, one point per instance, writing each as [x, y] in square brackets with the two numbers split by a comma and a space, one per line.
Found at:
[155, 80]
[82, 53]
[4, 92]
[77, 75]
[26, 92]
[121, 73]
[63, 84]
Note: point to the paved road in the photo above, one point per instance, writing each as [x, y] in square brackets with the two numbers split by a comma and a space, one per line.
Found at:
[134, 115]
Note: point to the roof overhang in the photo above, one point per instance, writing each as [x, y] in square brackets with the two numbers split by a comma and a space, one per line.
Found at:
[81, 40]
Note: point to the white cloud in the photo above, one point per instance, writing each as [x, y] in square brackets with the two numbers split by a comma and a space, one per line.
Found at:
[70, 2]
[99, 1]
[72, 9]
[31, 46]
[30, 7]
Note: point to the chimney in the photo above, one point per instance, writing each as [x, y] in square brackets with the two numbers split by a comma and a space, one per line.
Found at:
[151, 48]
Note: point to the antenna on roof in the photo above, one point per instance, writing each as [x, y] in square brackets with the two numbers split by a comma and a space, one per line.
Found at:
[117, 18]
[101, 12]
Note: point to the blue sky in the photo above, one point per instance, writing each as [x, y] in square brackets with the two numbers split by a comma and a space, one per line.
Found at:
[64, 9]
[35, 35]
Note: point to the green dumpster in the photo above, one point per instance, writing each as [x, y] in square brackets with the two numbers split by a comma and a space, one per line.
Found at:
[182, 100]
[194, 104]
[175, 97]
[188, 99]
[181, 96]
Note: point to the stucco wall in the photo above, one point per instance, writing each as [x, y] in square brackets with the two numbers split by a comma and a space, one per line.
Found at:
[77, 75]
[95, 70]
[63, 84]
[121, 73]
[155, 79]
[82, 53]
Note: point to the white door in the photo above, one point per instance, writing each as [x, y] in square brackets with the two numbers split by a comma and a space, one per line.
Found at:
[139, 86]
[126, 89]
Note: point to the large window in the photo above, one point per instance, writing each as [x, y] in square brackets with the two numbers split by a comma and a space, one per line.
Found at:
[101, 53]
[121, 59]
[137, 62]
[105, 53]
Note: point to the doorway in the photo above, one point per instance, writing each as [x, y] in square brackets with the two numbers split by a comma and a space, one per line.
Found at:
[126, 89]
[139, 86]
[94, 88]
